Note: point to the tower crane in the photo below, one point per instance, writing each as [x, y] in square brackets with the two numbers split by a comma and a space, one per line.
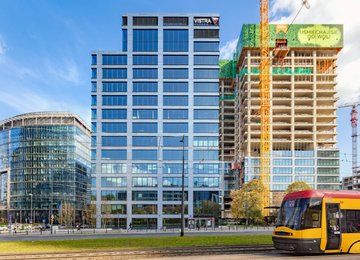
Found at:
[354, 121]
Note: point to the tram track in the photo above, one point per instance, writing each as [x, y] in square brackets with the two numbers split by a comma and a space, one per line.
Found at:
[147, 253]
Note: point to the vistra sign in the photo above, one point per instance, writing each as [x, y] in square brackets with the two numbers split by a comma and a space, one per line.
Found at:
[206, 21]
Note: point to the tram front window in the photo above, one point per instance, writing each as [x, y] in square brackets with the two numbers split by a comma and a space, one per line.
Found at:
[300, 214]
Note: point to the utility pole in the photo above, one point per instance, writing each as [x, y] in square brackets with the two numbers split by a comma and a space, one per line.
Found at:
[183, 192]
[52, 191]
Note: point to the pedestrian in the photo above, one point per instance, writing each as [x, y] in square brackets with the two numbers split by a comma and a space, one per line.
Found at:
[130, 226]
[78, 227]
[15, 230]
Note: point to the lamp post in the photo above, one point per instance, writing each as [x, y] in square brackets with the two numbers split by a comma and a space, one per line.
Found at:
[31, 212]
[183, 192]
[51, 204]
[246, 208]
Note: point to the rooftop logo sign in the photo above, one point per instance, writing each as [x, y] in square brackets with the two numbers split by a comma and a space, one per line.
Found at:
[206, 21]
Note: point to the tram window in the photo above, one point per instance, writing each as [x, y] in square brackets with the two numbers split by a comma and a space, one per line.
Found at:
[311, 214]
[352, 221]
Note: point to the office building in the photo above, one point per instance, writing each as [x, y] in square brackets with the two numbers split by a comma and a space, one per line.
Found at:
[44, 158]
[162, 86]
[303, 107]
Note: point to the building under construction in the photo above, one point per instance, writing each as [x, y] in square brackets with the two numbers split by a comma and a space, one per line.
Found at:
[302, 118]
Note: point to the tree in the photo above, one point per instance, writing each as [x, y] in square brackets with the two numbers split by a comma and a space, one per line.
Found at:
[297, 186]
[66, 214]
[249, 196]
[106, 212]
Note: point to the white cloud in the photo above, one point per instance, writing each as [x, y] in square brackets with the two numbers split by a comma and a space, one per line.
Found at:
[226, 52]
[67, 70]
[3, 46]
[331, 12]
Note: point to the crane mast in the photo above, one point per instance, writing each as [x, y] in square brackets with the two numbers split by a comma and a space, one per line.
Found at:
[265, 103]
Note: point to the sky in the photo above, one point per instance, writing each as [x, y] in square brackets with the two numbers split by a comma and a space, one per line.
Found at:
[45, 47]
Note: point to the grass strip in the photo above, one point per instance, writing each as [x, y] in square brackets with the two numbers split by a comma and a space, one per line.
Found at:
[128, 243]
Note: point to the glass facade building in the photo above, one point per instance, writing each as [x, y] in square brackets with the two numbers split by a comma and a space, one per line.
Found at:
[40, 153]
[143, 105]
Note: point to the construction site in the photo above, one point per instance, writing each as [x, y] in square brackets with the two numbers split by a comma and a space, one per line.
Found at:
[278, 108]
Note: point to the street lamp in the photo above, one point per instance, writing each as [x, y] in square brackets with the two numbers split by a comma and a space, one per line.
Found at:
[51, 204]
[183, 192]
[31, 196]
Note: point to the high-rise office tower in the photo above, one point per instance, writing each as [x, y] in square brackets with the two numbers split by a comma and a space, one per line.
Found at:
[302, 104]
[163, 85]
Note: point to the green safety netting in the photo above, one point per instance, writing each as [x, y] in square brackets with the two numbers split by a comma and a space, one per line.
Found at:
[232, 97]
[278, 71]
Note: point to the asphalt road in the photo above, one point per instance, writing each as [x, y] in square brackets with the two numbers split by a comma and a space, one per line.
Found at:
[130, 234]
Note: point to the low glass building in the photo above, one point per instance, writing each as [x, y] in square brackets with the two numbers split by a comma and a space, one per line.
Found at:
[43, 156]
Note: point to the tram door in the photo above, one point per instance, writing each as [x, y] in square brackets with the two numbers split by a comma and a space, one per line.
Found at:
[333, 226]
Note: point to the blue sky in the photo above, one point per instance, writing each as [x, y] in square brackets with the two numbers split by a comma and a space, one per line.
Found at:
[45, 48]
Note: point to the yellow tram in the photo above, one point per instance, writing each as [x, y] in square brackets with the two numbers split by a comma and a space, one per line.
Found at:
[318, 221]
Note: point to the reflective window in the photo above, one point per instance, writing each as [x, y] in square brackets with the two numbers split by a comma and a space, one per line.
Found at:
[144, 168]
[206, 100]
[93, 195]
[114, 59]
[93, 168]
[174, 154]
[206, 168]
[144, 141]
[304, 162]
[114, 113]
[206, 203]
[144, 154]
[114, 141]
[114, 73]
[175, 114]
[206, 141]
[305, 178]
[93, 86]
[93, 141]
[176, 86]
[174, 141]
[144, 182]
[93, 100]
[328, 187]
[255, 161]
[176, 60]
[282, 161]
[174, 168]
[113, 154]
[200, 182]
[173, 210]
[145, 40]
[280, 187]
[145, 86]
[206, 60]
[93, 59]
[113, 209]
[176, 21]
[304, 153]
[113, 182]
[174, 182]
[124, 40]
[304, 170]
[93, 127]
[176, 101]
[93, 113]
[206, 114]
[328, 170]
[176, 40]
[328, 179]
[175, 127]
[144, 127]
[145, 21]
[113, 168]
[93, 182]
[174, 195]
[144, 195]
[206, 128]
[146, 209]
[93, 154]
[145, 114]
[206, 87]
[176, 74]
[113, 195]
[328, 162]
[282, 178]
[206, 33]
[145, 100]
[145, 60]
[114, 86]
[282, 170]
[206, 155]
[145, 74]
[282, 153]
[114, 127]
[93, 73]
[328, 153]
[206, 46]
[114, 100]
